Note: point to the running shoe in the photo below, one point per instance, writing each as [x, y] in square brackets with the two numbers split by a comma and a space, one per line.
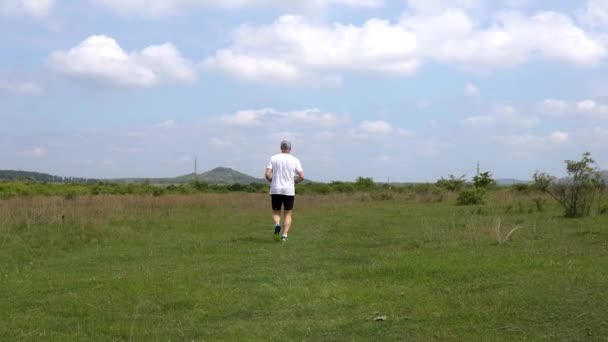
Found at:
[277, 232]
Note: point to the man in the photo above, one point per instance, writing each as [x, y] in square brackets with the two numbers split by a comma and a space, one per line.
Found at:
[283, 172]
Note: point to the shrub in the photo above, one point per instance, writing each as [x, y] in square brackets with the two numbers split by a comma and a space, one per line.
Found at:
[364, 184]
[200, 185]
[577, 192]
[484, 180]
[317, 188]
[342, 187]
[452, 183]
[158, 192]
[522, 187]
[470, 196]
[237, 187]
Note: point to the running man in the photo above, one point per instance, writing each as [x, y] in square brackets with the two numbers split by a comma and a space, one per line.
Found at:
[283, 172]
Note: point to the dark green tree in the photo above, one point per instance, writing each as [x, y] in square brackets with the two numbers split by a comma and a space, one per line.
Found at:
[484, 180]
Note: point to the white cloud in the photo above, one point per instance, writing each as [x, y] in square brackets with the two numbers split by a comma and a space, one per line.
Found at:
[525, 142]
[592, 109]
[589, 109]
[265, 70]
[559, 136]
[20, 87]
[511, 39]
[247, 117]
[375, 127]
[159, 8]
[313, 116]
[294, 49]
[305, 116]
[437, 6]
[33, 8]
[595, 13]
[503, 116]
[219, 142]
[471, 90]
[167, 125]
[554, 107]
[405, 133]
[286, 135]
[36, 152]
[100, 59]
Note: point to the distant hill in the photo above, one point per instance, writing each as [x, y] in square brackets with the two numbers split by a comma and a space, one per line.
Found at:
[19, 175]
[220, 175]
[510, 181]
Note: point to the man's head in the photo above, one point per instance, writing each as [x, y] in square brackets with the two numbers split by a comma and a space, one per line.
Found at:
[285, 146]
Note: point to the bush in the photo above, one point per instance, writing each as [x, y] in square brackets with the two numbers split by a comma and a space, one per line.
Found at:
[484, 180]
[315, 188]
[578, 191]
[200, 186]
[237, 187]
[342, 187]
[470, 196]
[364, 184]
[158, 192]
[452, 183]
[522, 187]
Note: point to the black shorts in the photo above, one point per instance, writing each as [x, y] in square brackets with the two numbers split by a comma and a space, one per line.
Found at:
[282, 200]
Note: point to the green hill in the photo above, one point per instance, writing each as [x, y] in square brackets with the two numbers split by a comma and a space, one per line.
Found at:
[31, 176]
[228, 175]
[219, 175]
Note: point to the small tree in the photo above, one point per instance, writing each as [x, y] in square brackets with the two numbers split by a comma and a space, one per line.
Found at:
[365, 183]
[484, 180]
[453, 183]
[471, 196]
[577, 192]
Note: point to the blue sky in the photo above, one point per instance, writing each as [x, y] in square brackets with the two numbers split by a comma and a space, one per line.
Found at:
[400, 90]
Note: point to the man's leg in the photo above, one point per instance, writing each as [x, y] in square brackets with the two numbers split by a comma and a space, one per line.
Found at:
[288, 209]
[276, 217]
[287, 222]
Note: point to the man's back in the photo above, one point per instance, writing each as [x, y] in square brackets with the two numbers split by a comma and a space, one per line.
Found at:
[284, 167]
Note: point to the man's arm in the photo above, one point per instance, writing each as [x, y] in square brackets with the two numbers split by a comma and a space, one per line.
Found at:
[268, 174]
[299, 177]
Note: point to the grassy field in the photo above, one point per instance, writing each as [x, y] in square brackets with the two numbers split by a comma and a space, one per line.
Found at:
[357, 267]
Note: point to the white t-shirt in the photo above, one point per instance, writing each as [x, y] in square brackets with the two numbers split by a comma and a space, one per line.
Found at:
[284, 167]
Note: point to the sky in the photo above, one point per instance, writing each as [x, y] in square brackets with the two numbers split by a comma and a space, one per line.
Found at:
[405, 90]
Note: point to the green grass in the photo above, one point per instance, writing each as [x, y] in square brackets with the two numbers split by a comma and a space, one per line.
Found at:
[205, 267]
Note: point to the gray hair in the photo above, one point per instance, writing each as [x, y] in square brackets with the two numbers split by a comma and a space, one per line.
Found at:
[285, 145]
